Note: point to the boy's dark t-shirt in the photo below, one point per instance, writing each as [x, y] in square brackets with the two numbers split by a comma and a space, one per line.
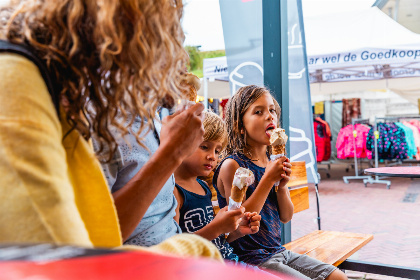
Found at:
[257, 248]
[196, 212]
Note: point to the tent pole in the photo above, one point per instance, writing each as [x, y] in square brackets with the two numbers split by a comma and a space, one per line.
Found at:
[276, 68]
[206, 93]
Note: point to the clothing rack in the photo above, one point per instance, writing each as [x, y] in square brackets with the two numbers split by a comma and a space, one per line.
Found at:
[356, 168]
[377, 179]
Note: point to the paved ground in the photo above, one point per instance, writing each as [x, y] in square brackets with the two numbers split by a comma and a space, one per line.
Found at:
[393, 216]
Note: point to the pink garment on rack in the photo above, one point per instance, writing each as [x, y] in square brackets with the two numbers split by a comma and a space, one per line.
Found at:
[416, 123]
[345, 145]
[416, 134]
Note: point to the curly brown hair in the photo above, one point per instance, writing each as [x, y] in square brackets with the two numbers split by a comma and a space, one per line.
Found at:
[236, 107]
[111, 58]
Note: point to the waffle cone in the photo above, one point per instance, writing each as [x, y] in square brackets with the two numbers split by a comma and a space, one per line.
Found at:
[238, 195]
[191, 93]
[279, 149]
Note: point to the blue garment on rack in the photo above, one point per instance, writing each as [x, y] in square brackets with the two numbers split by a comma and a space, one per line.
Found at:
[392, 142]
[409, 137]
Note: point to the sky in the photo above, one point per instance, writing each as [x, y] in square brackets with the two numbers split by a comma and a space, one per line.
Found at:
[202, 23]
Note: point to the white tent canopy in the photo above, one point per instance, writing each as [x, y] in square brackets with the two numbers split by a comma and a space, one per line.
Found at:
[362, 50]
[347, 52]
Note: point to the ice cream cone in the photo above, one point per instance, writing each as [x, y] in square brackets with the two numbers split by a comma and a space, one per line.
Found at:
[278, 141]
[192, 84]
[278, 150]
[241, 181]
[238, 194]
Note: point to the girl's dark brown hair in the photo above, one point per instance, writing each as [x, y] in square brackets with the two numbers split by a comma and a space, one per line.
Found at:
[236, 107]
[114, 57]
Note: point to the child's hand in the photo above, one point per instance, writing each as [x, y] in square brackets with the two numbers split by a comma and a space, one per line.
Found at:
[228, 221]
[250, 224]
[286, 175]
[275, 169]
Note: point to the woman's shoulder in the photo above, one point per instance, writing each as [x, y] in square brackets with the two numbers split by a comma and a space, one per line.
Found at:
[16, 63]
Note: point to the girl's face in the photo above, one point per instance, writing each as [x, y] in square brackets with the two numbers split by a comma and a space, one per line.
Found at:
[258, 120]
[204, 159]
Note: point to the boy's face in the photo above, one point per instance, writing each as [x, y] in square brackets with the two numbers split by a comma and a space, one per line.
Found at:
[204, 159]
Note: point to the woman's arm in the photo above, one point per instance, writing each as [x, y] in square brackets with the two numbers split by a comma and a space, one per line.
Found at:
[180, 135]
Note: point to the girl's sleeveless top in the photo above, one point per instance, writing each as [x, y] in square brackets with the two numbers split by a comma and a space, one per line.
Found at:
[196, 212]
[256, 248]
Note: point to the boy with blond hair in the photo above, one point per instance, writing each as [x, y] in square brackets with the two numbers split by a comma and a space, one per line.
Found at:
[194, 212]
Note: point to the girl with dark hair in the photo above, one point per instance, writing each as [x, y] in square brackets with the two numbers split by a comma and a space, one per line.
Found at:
[250, 115]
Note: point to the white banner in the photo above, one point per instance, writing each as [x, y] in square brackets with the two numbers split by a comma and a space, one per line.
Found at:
[364, 57]
[215, 68]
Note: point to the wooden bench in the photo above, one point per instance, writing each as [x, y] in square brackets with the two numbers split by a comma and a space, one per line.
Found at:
[330, 247]
[335, 247]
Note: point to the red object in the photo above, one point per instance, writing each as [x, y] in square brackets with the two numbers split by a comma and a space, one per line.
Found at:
[223, 104]
[322, 140]
[129, 265]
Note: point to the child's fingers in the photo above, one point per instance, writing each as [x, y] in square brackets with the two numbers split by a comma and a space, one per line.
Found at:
[247, 215]
[236, 214]
[287, 164]
[285, 179]
[256, 218]
[287, 170]
[224, 209]
[255, 229]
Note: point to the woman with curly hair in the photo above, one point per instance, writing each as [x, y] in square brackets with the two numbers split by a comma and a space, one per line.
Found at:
[106, 59]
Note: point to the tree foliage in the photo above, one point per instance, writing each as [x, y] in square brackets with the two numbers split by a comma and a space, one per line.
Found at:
[196, 58]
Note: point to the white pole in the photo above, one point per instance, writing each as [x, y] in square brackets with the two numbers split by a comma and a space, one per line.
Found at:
[206, 93]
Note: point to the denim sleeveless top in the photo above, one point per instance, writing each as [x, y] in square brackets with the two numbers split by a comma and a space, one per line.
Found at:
[256, 248]
[196, 212]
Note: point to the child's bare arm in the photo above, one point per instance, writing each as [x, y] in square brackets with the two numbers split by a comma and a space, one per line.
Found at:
[283, 196]
[256, 201]
[181, 133]
[180, 201]
[225, 179]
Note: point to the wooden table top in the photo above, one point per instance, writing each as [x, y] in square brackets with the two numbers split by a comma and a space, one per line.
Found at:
[400, 171]
[330, 247]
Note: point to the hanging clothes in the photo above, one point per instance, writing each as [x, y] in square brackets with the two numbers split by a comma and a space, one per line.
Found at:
[416, 135]
[345, 142]
[409, 137]
[391, 143]
[351, 110]
[322, 139]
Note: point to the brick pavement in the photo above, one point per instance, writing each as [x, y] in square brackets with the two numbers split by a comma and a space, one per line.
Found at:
[393, 216]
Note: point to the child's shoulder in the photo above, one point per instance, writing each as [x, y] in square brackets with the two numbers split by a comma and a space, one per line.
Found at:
[229, 164]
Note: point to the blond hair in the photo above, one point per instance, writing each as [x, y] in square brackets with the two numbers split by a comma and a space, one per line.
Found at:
[115, 57]
[236, 107]
[214, 128]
